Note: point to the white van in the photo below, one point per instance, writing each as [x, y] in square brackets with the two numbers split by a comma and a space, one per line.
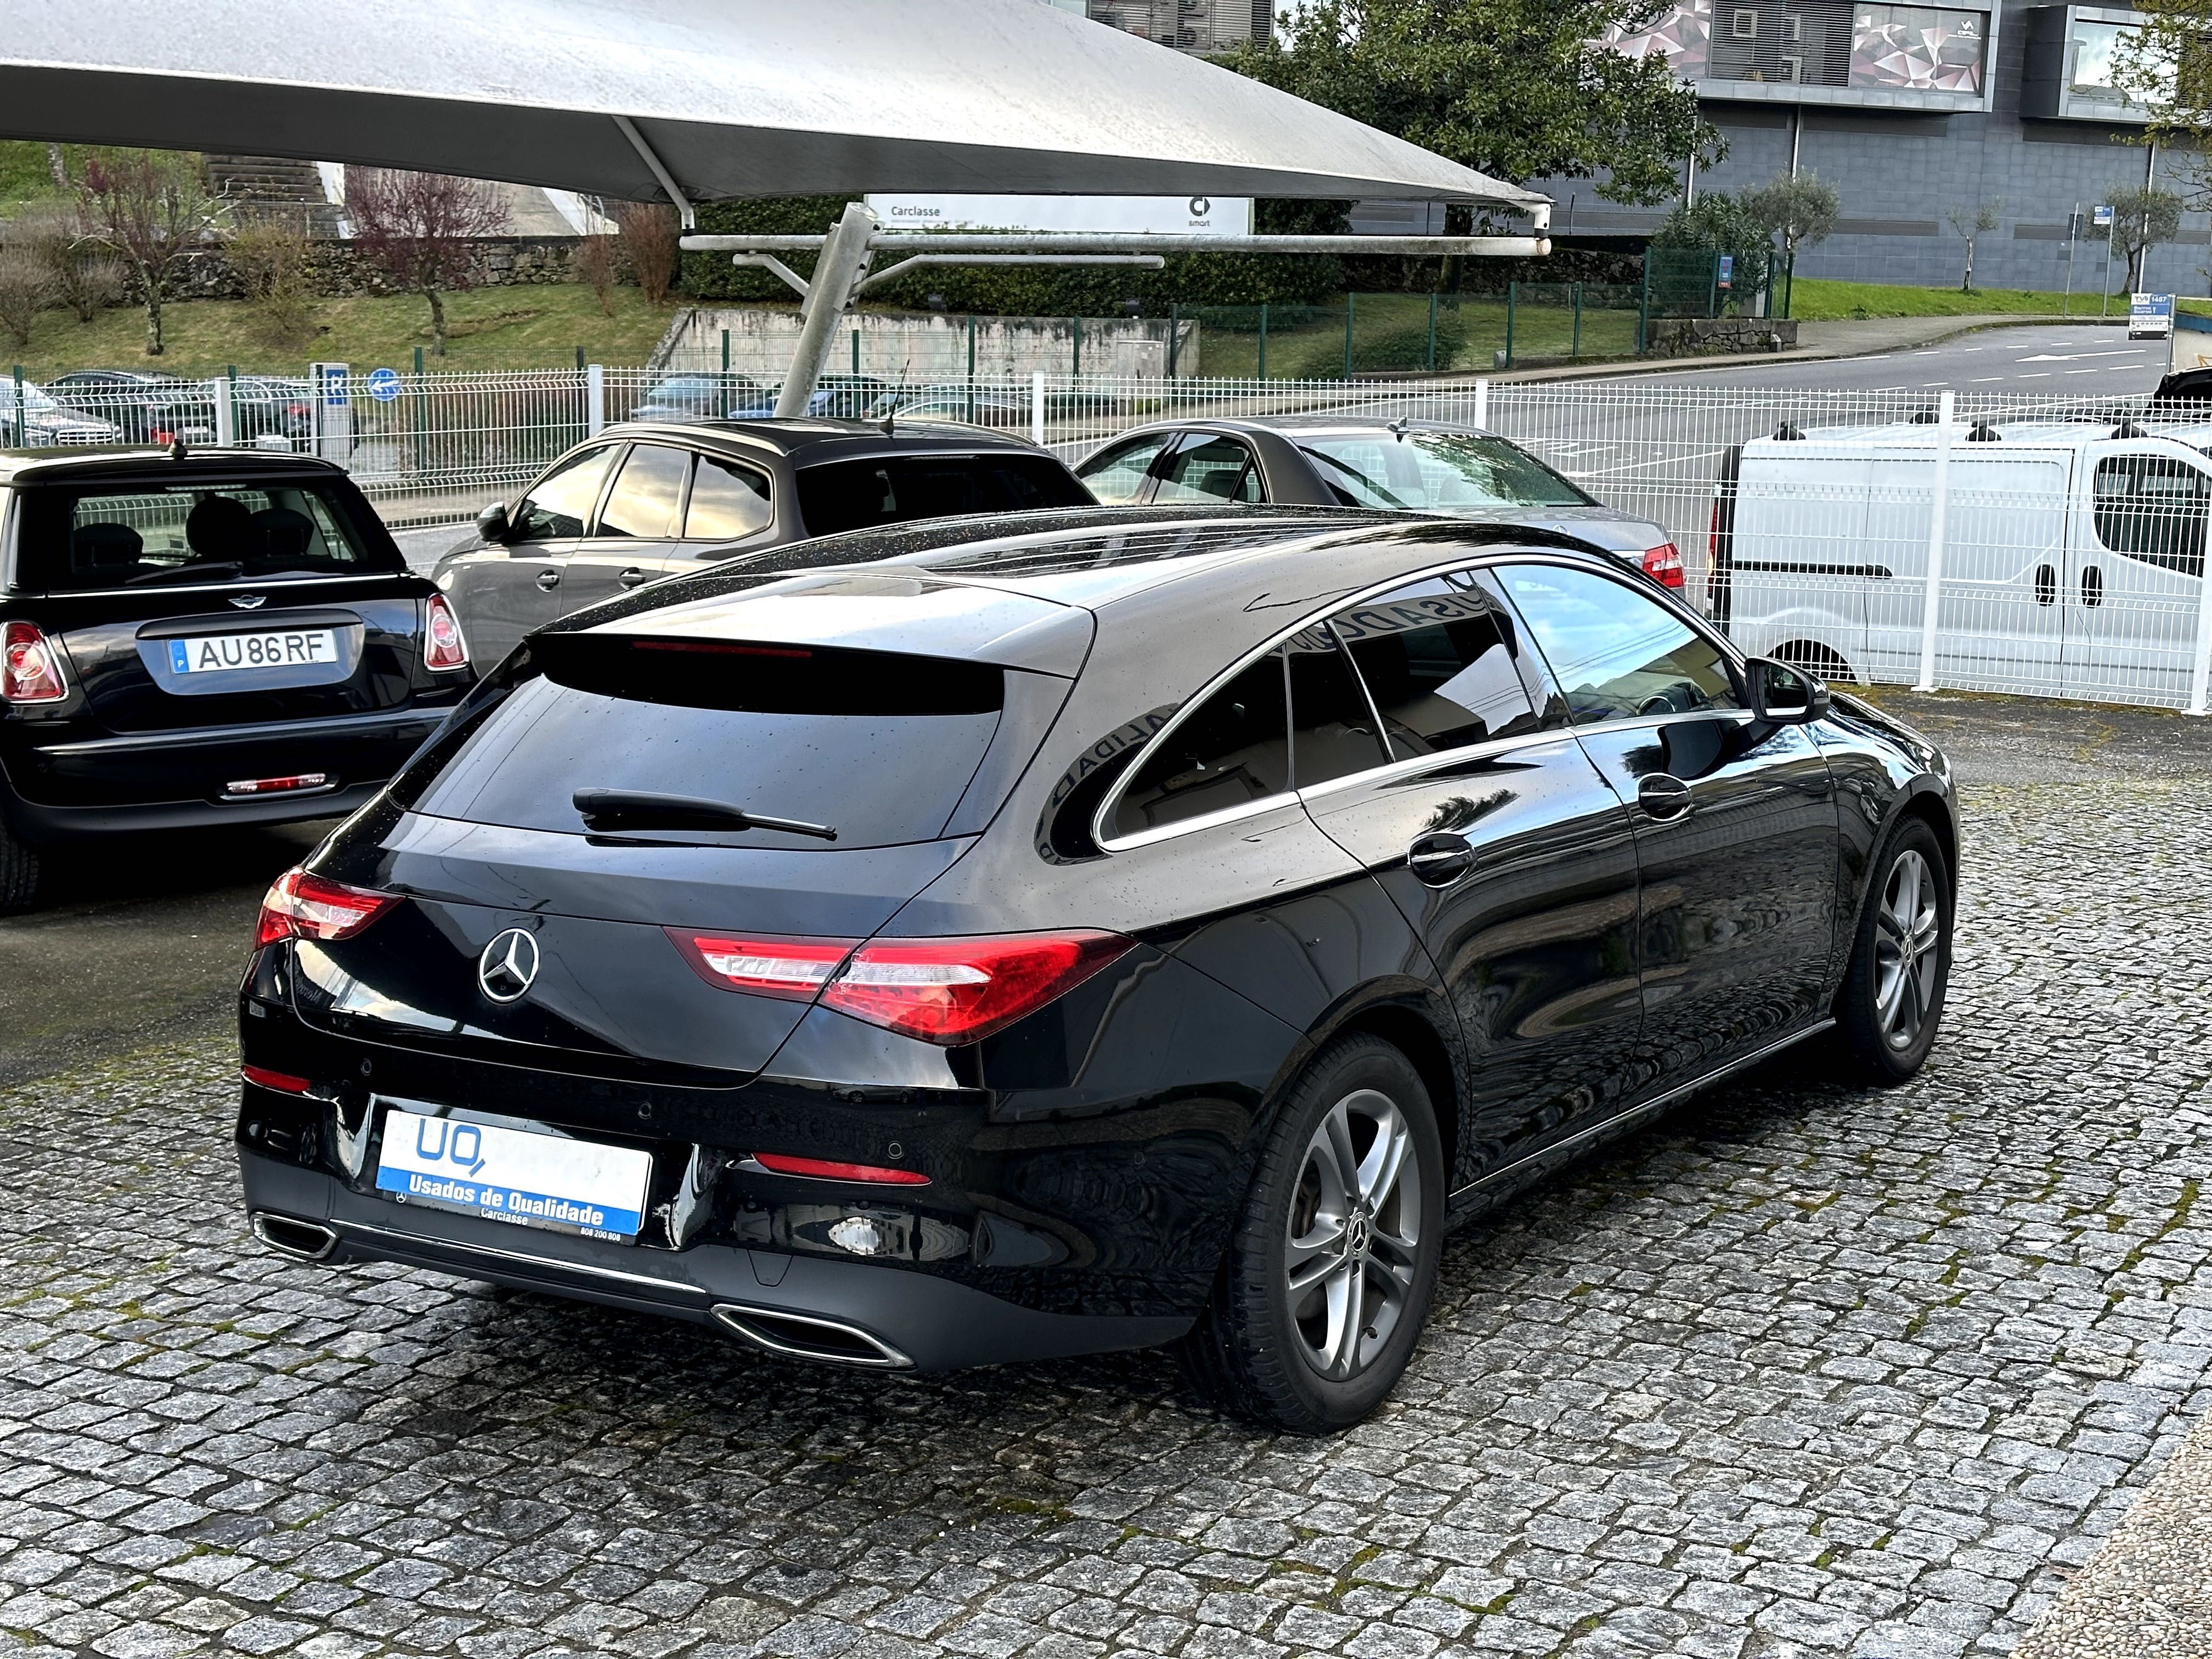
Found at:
[2073, 562]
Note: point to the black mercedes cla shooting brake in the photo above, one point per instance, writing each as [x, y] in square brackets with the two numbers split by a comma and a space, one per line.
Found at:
[1011, 943]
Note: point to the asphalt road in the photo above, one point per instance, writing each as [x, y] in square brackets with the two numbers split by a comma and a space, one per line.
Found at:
[2068, 361]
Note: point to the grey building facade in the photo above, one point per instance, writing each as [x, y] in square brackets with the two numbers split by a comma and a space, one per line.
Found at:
[1912, 111]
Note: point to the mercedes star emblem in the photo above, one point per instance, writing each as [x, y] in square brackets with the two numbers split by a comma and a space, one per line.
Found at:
[507, 966]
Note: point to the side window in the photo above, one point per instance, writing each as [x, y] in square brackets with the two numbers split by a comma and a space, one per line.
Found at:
[1116, 476]
[728, 501]
[2152, 507]
[1616, 653]
[1333, 730]
[1438, 658]
[648, 501]
[563, 500]
[1232, 749]
[1210, 469]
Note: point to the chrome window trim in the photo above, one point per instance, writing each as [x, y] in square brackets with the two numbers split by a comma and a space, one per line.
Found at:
[1228, 815]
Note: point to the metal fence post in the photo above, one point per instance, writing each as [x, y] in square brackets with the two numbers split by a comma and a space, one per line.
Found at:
[1036, 407]
[2200, 682]
[1512, 294]
[971, 367]
[18, 427]
[1432, 333]
[1644, 305]
[1263, 340]
[225, 409]
[1946, 406]
[1351, 309]
[856, 353]
[1482, 405]
[1575, 350]
[595, 400]
[722, 385]
[1174, 335]
[422, 415]
[1075, 357]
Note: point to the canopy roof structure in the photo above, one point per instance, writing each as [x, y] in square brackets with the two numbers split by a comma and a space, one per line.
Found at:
[691, 101]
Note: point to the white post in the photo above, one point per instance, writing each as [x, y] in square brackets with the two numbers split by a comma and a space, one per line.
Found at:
[1482, 405]
[595, 400]
[1037, 408]
[225, 411]
[1946, 406]
[2200, 681]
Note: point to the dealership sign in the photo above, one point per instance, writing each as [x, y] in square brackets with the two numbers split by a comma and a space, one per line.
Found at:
[1135, 215]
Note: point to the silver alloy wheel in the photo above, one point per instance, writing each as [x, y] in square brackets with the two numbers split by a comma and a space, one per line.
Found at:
[1354, 1234]
[1907, 949]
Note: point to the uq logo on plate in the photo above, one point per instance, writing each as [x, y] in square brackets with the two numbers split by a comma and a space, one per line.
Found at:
[515, 1176]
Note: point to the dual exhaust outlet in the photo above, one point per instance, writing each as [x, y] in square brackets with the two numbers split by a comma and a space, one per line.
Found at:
[795, 1335]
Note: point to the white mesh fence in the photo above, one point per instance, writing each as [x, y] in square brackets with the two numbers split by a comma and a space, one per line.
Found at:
[2064, 542]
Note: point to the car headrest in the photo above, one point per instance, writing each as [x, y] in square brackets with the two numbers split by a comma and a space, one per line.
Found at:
[216, 528]
[279, 532]
[104, 549]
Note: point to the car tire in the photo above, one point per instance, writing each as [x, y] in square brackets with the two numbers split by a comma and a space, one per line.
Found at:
[1348, 1199]
[1892, 992]
[20, 873]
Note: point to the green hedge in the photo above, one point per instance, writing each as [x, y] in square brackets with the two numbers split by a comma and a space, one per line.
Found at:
[1044, 291]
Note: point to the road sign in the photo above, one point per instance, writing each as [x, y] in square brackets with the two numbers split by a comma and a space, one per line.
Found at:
[383, 384]
[2150, 316]
[2101, 215]
[1728, 270]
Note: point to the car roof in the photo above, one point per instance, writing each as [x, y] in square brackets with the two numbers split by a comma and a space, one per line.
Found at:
[92, 463]
[809, 439]
[1304, 425]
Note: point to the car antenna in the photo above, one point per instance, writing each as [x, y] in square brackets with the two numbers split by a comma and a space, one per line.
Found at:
[1398, 428]
[890, 416]
[179, 449]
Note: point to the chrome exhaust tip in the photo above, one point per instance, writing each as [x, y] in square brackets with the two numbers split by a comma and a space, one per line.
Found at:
[303, 1241]
[809, 1336]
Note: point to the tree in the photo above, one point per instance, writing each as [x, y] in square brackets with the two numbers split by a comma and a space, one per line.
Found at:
[418, 228]
[592, 263]
[2142, 217]
[272, 258]
[87, 279]
[26, 289]
[1720, 223]
[647, 233]
[152, 208]
[1971, 222]
[1516, 89]
[1796, 207]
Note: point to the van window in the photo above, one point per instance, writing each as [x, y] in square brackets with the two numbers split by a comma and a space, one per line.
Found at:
[2152, 507]
[1232, 749]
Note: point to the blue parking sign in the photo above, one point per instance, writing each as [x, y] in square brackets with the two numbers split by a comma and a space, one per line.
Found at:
[383, 384]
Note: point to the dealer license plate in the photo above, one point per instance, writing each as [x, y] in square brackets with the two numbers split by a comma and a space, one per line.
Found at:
[215, 653]
[512, 1175]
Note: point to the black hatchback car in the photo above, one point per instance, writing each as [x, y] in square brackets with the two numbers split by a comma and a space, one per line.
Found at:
[217, 638]
[649, 498]
[1093, 937]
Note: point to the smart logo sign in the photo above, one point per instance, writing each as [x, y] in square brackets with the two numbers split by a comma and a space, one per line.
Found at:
[1126, 216]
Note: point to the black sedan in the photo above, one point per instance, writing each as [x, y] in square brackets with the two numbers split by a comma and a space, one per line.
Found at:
[147, 409]
[1143, 929]
[1362, 461]
[644, 500]
[222, 637]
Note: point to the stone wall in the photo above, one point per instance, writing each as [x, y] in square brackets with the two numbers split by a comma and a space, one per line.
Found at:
[1684, 337]
[931, 346]
[342, 271]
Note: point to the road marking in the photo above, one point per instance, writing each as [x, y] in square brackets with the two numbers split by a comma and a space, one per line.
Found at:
[2076, 356]
[1987, 379]
[2079, 371]
[2040, 375]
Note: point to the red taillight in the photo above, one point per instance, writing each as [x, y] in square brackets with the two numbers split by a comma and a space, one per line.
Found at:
[1664, 564]
[161, 436]
[795, 970]
[30, 671]
[302, 905]
[283, 1082]
[276, 785]
[951, 991]
[295, 409]
[443, 646]
[823, 1169]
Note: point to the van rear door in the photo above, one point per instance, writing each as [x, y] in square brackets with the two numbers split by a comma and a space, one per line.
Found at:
[2133, 584]
[1799, 564]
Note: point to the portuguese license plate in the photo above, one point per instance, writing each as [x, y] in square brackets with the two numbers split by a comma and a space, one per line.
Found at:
[514, 1175]
[217, 654]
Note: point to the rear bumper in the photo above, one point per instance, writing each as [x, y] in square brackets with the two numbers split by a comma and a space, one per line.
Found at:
[877, 1316]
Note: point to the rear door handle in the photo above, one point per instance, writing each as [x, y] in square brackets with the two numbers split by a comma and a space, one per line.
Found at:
[1664, 796]
[549, 579]
[633, 576]
[1440, 859]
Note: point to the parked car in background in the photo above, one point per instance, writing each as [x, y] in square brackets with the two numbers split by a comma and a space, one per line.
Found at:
[1154, 928]
[38, 421]
[838, 397]
[700, 398]
[265, 408]
[643, 499]
[224, 637]
[147, 409]
[971, 408]
[1339, 461]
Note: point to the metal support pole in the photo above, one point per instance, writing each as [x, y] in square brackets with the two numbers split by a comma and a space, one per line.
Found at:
[225, 409]
[1350, 311]
[595, 400]
[2200, 682]
[1482, 405]
[2073, 228]
[1036, 407]
[1432, 334]
[837, 275]
[1939, 507]
[1174, 335]
[1263, 340]
[2104, 299]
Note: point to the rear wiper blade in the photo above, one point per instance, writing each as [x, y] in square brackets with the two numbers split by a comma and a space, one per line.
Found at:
[637, 809]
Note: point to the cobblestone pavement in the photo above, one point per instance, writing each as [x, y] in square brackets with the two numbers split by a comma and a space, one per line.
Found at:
[1798, 1371]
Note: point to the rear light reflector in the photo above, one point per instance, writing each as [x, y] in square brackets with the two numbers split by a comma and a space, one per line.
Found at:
[444, 646]
[276, 785]
[1664, 564]
[951, 991]
[304, 906]
[30, 671]
[794, 970]
[283, 1082]
[823, 1169]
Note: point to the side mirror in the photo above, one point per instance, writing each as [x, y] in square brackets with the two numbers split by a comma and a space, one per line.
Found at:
[491, 523]
[1785, 695]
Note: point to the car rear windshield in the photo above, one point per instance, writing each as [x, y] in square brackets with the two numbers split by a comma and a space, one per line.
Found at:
[1437, 471]
[876, 745]
[897, 488]
[144, 535]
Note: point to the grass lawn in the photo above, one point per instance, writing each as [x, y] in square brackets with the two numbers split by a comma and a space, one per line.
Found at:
[536, 326]
[1819, 299]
